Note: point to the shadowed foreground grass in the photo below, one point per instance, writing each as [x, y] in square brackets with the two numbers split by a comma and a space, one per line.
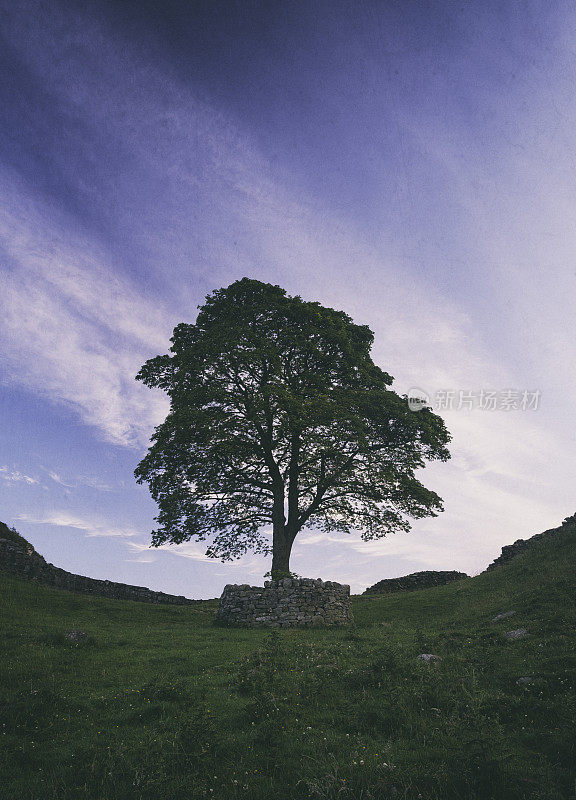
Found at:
[158, 704]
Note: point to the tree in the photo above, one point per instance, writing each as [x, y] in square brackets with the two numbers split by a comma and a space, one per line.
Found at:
[279, 415]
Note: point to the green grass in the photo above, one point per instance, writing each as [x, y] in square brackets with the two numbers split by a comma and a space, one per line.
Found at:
[159, 704]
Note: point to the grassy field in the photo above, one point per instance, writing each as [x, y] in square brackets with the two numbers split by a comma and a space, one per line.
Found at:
[159, 704]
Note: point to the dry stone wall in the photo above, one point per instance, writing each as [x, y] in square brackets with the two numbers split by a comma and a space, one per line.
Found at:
[417, 580]
[24, 561]
[509, 551]
[287, 603]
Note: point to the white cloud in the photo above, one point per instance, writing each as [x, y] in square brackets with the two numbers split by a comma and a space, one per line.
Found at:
[95, 483]
[14, 476]
[81, 480]
[57, 479]
[192, 550]
[89, 527]
[77, 331]
[73, 331]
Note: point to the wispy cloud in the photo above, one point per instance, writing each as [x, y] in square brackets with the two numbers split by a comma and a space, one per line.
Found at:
[14, 476]
[88, 527]
[95, 483]
[191, 550]
[199, 205]
[57, 479]
[74, 331]
[76, 328]
[79, 480]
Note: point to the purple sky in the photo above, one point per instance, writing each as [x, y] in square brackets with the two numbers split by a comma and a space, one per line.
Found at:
[412, 163]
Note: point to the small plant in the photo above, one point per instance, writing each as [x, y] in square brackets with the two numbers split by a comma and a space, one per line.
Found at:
[281, 575]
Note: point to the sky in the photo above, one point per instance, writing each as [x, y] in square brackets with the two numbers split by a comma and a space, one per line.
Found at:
[412, 163]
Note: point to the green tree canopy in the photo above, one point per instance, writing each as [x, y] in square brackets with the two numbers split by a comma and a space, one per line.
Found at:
[279, 416]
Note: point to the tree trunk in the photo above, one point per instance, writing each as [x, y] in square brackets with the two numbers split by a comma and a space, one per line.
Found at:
[281, 547]
[283, 536]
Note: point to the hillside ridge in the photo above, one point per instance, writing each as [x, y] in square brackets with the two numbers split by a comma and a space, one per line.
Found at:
[510, 551]
[416, 580]
[18, 557]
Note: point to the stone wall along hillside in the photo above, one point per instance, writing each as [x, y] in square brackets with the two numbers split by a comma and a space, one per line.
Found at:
[417, 580]
[510, 551]
[25, 562]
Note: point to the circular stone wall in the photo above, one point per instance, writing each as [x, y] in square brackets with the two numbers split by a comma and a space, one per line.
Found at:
[288, 603]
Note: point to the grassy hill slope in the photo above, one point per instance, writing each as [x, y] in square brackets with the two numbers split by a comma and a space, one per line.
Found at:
[158, 703]
[12, 535]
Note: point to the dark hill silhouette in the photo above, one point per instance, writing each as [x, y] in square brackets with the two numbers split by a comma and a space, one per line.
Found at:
[19, 557]
[510, 551]
[414, 581]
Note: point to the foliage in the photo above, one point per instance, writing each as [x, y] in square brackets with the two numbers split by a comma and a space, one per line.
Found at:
[279, 575]
[279, 415]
